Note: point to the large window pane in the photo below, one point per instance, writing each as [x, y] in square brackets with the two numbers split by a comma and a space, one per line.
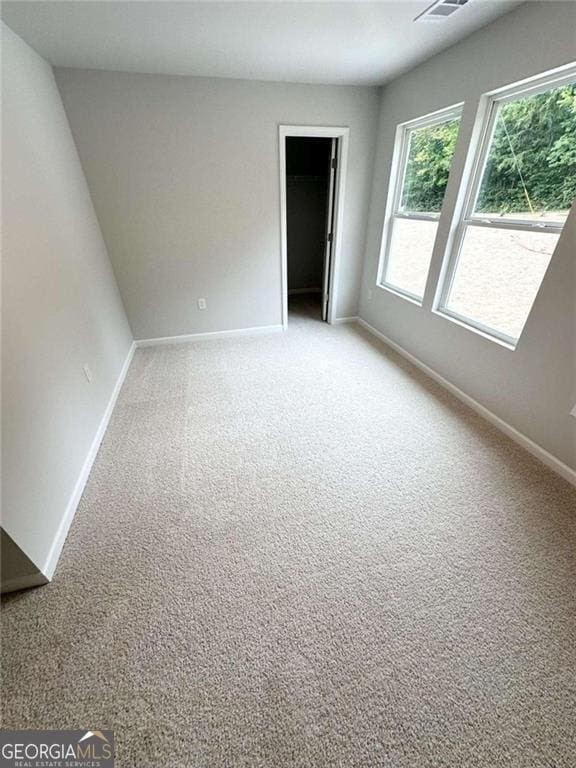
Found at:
[410, 254]
[498, 276]
[428, 161]
[530, 171]
[426, 152]
[526, 181]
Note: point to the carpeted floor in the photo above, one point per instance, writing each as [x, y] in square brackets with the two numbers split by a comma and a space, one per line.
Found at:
[296, 550]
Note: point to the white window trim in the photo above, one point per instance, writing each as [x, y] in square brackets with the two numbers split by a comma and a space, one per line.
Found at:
[395, 187]
[464, 215]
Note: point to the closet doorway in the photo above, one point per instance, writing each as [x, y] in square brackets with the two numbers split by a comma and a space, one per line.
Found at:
[312, 174]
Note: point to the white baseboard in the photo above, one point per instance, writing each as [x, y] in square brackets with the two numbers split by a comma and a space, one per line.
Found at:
[340, 320]
[536, 450]
[56, 548]
[256, 330]
[24, 582]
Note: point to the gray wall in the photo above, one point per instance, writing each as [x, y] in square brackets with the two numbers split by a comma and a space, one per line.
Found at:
[534, 387]
[184, 174]
[61, 307]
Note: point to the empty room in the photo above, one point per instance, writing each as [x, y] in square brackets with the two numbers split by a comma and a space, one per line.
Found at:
[288, 384]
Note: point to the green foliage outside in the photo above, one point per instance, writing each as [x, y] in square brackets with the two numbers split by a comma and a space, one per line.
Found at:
[429, 160]
[531, 165]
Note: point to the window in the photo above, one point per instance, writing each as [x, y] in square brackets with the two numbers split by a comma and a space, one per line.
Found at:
[517, 203]
[425, 150]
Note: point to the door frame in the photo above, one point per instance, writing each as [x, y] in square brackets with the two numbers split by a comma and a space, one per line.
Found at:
[316, 132]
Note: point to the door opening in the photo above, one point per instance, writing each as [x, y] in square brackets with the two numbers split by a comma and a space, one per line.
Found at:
[311, 193]
[309, 207]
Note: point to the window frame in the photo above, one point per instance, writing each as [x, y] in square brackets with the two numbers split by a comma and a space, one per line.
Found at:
[396, 187]
[487, 115]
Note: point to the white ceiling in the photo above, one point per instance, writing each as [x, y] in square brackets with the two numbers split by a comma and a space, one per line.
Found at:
[349, 43]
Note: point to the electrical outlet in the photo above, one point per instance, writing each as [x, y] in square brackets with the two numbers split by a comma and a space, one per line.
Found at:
[369, 294]
[87, 371]
[201, 303]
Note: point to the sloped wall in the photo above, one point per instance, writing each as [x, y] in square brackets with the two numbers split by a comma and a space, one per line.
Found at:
[61, 309]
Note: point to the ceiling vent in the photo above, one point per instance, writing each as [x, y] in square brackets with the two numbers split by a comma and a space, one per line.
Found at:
[440, 10]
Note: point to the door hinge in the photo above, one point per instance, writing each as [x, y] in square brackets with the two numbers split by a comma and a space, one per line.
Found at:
[330, 237]
[333, 163]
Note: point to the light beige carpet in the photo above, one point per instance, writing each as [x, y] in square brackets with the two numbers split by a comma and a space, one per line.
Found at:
[296, 550]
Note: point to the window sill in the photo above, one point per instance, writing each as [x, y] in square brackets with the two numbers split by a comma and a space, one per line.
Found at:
[400, 293]
[468, 325]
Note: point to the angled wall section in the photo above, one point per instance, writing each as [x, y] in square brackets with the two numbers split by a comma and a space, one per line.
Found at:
[61, 310]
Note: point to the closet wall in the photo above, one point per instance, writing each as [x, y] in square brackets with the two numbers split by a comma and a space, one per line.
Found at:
[307, 178]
